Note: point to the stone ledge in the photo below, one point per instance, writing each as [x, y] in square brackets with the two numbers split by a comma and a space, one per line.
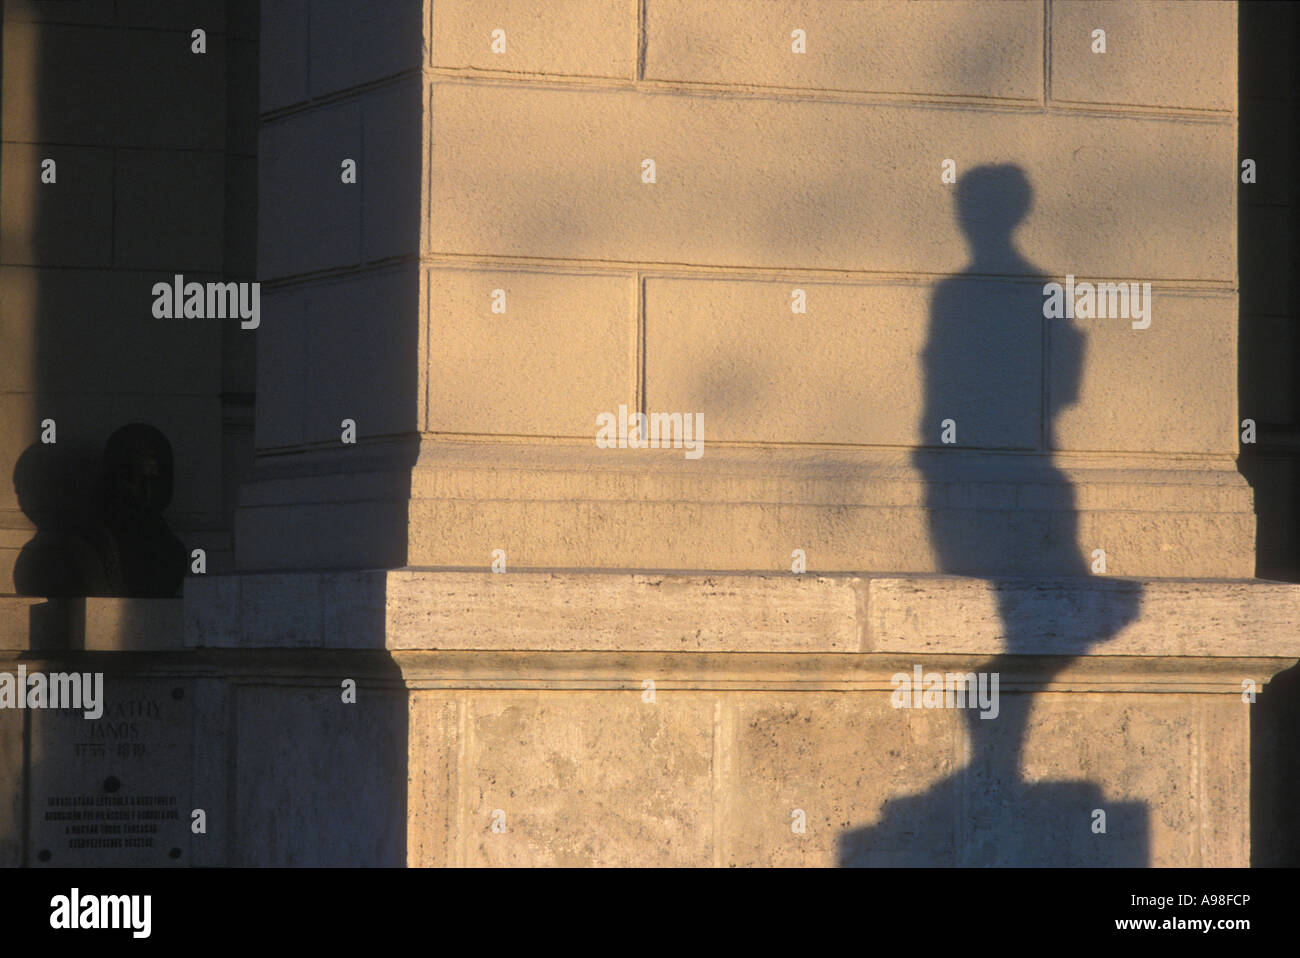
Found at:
[1168, 617]
[92, 623]
[872, 672]
[626, 672]
[437, 610]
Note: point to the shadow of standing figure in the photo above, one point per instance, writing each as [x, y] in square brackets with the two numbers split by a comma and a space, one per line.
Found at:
[127, 548]
[983, 363]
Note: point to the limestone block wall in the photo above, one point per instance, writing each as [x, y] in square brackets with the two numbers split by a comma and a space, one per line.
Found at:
[592, 778]
[798, 151]
[503, 268]
[1270, 321]
[1269, 277]
[154, 174]
[338, 84]
[826, 227]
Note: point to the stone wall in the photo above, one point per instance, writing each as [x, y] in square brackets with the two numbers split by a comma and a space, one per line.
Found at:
[154, 173]
[155, 149]
[460, 631]
[775, 171]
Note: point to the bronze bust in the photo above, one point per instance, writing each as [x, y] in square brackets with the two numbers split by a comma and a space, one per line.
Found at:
[127, 549]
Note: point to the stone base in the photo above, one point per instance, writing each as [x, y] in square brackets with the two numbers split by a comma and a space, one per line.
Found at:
[723, 775]
[630, 719]
[94, 623]
[649, 719]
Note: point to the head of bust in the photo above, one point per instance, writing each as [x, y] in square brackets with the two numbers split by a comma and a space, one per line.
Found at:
[137, 473]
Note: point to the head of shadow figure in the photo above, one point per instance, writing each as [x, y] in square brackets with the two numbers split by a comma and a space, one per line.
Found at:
[998, 508]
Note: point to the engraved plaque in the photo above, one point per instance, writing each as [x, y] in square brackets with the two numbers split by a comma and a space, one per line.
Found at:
[113, 790]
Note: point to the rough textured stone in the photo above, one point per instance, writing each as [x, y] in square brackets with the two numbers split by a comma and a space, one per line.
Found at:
[433, 800]
[1147, 50]
[811, 185]
[65, 223]
[12, 789]
[847, 371]
[356, 43]
[1063, 617]
[300, 182]
[307, 766]
[550, 379]
[588, 779]
[722, 613]
[836, 758]
[113, 624]
[285, 48]
[924, 614]
[70, 106]
[1132, 393]
[583, 508]
[596, 38]
[152, 231]
[925, 48]
[357, 343]
[388, 171]
[185, 113]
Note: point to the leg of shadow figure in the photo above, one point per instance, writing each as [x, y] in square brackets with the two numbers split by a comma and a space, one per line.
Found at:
[987, 344]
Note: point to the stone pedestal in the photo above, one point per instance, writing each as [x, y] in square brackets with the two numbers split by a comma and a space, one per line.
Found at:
[116, 787]
[670, 719]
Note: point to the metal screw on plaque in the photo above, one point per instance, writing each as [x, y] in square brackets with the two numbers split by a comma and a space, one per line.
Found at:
[44, 855]
[178, 694]
[111, 784]
[174, 853]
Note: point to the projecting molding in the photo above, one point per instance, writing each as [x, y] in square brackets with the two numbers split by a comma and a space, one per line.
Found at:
[436, 610]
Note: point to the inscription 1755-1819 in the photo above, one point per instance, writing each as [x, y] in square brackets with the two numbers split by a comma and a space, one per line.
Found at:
[114, 791]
